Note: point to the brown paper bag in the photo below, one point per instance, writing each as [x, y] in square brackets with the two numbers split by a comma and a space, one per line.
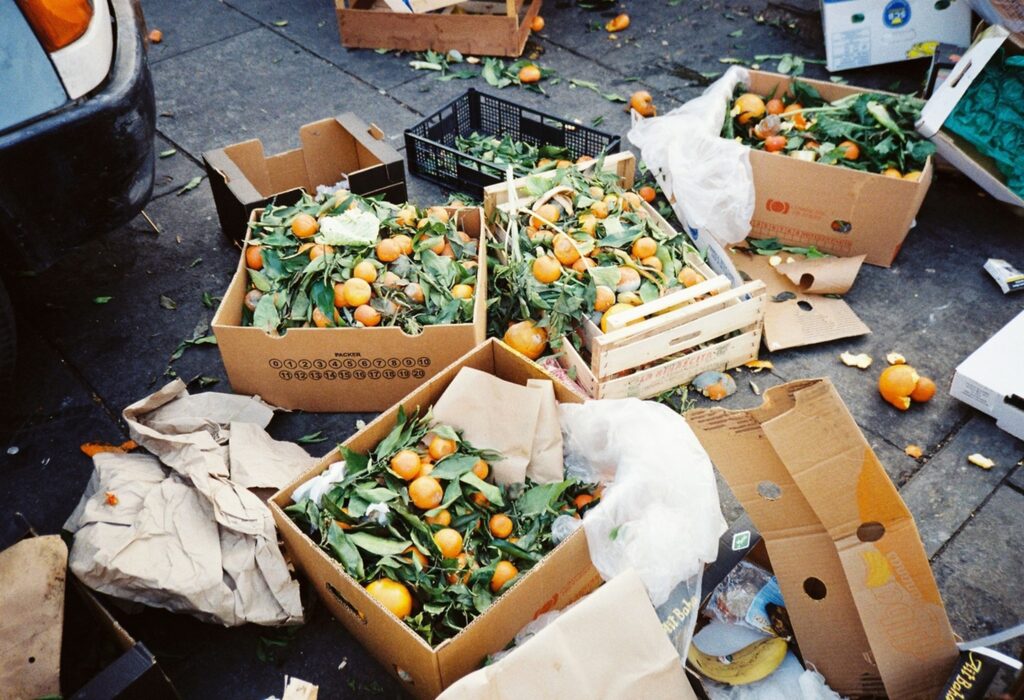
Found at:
[609, 645]
[546, 464]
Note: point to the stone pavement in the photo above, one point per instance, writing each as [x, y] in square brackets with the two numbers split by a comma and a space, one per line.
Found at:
[232, 70]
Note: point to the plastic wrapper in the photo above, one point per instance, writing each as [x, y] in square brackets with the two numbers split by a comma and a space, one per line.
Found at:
[659, 513]
[744, 595]
[707, 178]
[788, 682]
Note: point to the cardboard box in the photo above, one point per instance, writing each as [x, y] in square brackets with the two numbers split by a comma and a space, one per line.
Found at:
[991, 379]
[868, 32]
[562, 577]
[661, 351]
[961, 154]
[858, 587]
[476, 28]
[343, 369]
[243, 178]
[839, 210]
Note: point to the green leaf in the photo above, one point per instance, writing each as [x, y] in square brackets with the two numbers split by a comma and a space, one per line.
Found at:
[342, 547]
[259, 280]
[355, 463]
[376, 495]
[204, 381]
[168, 153]
[649, 291]
[378, 545]
[539, 499]
[265, 316]
[736, 34]
[168, 303]
[605, 275]
[454, 466]
[190, 185]
[492, 492]
[101, 300]
[312, 438]
[210, 301]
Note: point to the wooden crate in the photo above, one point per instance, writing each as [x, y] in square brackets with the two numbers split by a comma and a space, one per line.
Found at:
[668, 341]
[474, 27]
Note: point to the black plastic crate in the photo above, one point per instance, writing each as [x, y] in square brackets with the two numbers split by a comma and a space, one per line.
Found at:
[430, 145]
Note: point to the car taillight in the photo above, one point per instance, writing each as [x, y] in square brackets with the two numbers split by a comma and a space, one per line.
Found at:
[57, 23]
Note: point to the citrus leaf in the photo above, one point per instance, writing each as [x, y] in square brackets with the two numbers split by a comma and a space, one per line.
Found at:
[378, 545]
[168, 303]
[344, 550]
[454, 466]
[265, 316]
[101, 300]
[492, 492]
[190, 185]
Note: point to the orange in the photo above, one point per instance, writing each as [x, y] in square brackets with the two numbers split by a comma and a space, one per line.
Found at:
[750, 107]
[426, 468]
[563, 164]
[599, 210]
[527, 338]
[447, 251]
[479, 499]
[252, 298]
[392, 595]
[584, 159]
[425, 492]
[851, 151]
[318, 250]
[404, 243]
[647, 193]
[388, 250]
[365, 271]
[529, 74]
[463, 561]
[339, 295]
[618, 23]
[406, 464]
[406, 216]
[438, 213]
[462, 291]
[924, 390]
[504, 572]
[588, 224]
[357, 291]
[774, 106]
[320, 319]
[481, 469]
[582, 265]
[565, 249]
[500, 525]
[796, 115]
[544, 215]
[643, 103]
[689, 277]
[546, 269]
[390, 279]
[582, 500]
[537, 24]
[913, 175]
[775, 143]
[893, 172]
[631, 298]
[614, 309]
[449, 541]
[644, 247]
[304, 226]
[653, 262]
[629, 280]
[414, 292]
[253, 257]
[441, 447]
[417, 555]
[443, 518]
[897, 383]
[605, 298]
[367, 315]
[631, 201]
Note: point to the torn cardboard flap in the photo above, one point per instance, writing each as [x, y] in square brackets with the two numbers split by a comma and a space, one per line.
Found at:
[804, 318]
[829, 275]
[858, 587]
[608, 645]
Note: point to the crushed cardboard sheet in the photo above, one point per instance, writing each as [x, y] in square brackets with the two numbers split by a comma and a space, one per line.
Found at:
[506, 417]
[608, 645]
[802, 318]
[182, 533]
[829, 275]
[32, 578]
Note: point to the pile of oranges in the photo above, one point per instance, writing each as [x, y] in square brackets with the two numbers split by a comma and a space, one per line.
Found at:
[420, 522]
[419, 269]
[587, 249]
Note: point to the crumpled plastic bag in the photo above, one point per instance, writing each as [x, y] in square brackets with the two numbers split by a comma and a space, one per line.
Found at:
[659, 513]
[790, 681]
[174, 530]
[707, 179]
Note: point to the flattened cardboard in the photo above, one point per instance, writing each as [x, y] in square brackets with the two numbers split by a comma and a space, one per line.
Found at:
[992, 378]
[343, 369]
[563, 576]
[806, 319]
[243, 178]
[840, 210]
[859, 590]
[822, 275]
[482, 28]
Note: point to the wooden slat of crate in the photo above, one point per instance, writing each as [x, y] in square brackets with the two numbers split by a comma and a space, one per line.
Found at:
[674, 332]
[486, 29]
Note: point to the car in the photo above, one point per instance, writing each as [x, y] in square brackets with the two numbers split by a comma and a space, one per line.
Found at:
[77, 125]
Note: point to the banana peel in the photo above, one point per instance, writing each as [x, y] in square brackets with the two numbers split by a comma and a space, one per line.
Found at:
[748, 665]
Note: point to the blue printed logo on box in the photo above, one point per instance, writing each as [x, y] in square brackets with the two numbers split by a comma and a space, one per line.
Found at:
[896, 14]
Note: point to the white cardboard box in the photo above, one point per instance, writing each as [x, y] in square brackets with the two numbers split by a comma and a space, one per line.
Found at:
[868, 32]
[992, 378]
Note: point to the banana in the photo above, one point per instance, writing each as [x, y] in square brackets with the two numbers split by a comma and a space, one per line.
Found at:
[749, 664]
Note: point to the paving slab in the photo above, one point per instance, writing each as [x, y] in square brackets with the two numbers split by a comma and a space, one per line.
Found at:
[948, 489]
[265, 87]
[174, 171]
[190, 24]
[1017, 477]
[979, 571]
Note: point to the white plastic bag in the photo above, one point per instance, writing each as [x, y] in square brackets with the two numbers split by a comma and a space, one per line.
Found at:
[707, 178]
[659, 513]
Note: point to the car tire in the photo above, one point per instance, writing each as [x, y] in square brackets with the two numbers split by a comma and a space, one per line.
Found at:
[8, 341]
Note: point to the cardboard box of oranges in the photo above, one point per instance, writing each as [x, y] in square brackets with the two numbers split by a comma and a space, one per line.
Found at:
[295, 353]
[556, 580]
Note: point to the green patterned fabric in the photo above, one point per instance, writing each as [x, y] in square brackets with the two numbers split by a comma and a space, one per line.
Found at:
[991, 116]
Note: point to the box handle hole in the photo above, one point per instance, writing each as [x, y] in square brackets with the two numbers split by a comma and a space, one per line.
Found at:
[351, 608]
[404, 675]
[870, 532]
[805, 305]
[815, 588]
[684, 338]
[769, 491]
[1015, 401]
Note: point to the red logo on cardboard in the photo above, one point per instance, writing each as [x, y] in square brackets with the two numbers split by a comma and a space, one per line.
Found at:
[776, 206]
